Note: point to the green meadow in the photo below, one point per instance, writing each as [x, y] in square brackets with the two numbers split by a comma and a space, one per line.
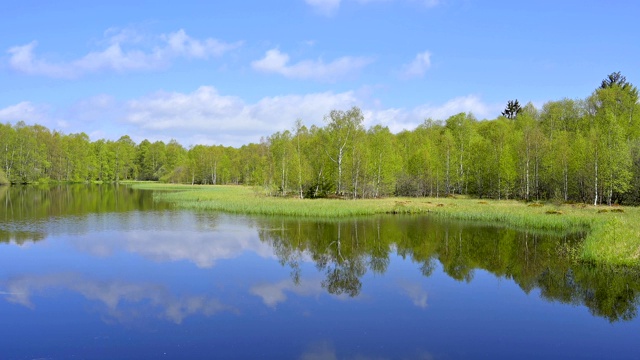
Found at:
[612, 233]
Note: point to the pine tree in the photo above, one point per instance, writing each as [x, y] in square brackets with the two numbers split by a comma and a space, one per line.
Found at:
[512, 110]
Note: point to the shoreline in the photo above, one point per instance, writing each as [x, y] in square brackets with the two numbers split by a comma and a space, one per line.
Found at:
[612, 235]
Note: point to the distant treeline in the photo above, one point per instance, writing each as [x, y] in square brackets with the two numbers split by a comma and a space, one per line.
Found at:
[569, 150]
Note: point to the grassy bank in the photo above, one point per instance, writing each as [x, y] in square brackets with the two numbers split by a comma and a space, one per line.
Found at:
[613, 234]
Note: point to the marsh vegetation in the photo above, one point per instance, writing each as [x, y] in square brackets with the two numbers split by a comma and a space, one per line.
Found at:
[612, 237]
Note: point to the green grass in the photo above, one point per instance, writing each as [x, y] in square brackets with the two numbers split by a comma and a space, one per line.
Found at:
[613, 236]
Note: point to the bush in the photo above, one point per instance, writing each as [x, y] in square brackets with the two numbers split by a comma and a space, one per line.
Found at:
[317, 190]
[408, 186]
[3, 178]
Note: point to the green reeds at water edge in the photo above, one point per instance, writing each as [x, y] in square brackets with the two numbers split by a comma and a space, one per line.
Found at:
[613, 237]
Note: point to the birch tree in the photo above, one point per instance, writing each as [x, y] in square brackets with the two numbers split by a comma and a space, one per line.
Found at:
[384, 164]
[341, 128]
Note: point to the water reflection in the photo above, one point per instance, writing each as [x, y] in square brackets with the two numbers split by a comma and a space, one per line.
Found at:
[118, 297]
[346, 250]
[33, 203]
[274, 293]
[325, 350]
[21, 237]
[416, 293]
[105, 221]
[200, 240]
[31, 213]
[137, 279]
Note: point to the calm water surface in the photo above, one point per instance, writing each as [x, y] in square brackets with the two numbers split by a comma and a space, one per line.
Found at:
[100, 272]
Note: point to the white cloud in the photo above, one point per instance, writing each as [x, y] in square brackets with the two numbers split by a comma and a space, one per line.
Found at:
[180, 44]
[32, 114]
[207, 117]
[470, 103]
[22, 59]
[24, 111]
[415, 292]
[113, 294]
[118, 57]
[398, 119]
[201, 246]
[419, 66]
[163, 111]
[209, 238]
[277, 62]
[80, 117]
[274, 293]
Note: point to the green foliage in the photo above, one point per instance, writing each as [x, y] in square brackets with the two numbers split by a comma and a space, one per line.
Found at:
[3, 178]
[569, 150]
[151, 159]
[318, 190]
[604, 244]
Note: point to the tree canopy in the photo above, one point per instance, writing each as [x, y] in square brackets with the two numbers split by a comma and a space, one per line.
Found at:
[585, 150]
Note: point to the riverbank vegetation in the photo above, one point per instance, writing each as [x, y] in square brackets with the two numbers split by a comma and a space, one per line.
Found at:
[585, 150]
[3, 178]
[568, 151]
[612, 233]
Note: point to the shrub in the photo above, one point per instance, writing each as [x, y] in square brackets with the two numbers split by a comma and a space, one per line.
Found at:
[3, 178]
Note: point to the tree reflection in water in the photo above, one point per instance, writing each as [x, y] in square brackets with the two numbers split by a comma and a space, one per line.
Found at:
[24, 209]
[345, 250]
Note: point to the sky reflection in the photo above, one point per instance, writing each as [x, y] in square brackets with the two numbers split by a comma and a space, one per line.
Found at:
[202, 248]
[116, 295]
[176, 284]
[274, 293]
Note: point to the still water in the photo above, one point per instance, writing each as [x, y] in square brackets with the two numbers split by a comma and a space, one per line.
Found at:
[104, 272]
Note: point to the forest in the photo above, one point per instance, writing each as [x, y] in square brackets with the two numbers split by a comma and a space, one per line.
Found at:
[582, 150]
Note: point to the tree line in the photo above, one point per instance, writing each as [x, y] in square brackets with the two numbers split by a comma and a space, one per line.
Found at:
[585, 150]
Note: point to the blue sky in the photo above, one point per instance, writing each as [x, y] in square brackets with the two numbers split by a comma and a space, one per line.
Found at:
[228, 73]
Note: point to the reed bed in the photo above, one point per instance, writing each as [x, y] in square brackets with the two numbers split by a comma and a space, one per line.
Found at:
[613, 236]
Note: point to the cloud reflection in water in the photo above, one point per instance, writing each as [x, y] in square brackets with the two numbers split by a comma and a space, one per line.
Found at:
[117, 296]
[202, 246]
[274, 293]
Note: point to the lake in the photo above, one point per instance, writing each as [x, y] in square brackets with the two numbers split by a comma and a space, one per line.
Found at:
[104, 272]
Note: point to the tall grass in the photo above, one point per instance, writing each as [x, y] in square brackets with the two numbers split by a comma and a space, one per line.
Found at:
[613, 237]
